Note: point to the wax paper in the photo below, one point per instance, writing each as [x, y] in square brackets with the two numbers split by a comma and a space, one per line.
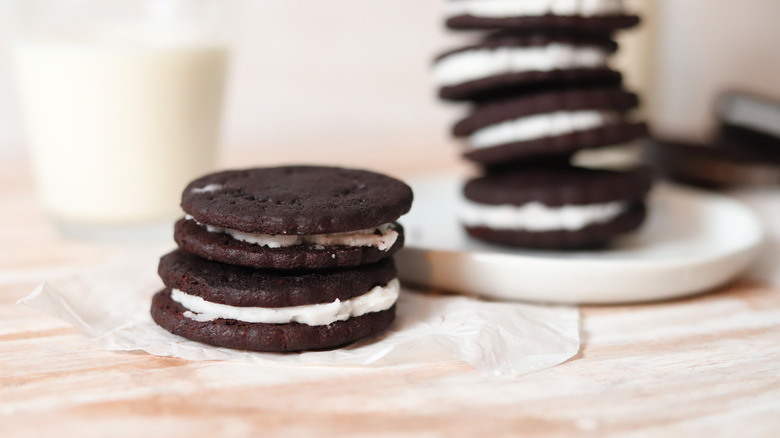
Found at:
[110, 306]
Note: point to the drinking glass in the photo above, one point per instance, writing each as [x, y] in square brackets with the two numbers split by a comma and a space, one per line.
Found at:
[121, 101]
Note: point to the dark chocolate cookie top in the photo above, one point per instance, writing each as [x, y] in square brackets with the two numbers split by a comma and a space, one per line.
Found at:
[296, 200]
[604, 24]
[489, 113]
[247, 287]
[557, 186]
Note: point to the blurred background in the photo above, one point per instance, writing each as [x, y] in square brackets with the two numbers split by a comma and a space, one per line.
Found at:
[353, 74]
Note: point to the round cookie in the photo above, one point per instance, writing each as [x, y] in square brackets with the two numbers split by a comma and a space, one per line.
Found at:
[548, 124]
[509, 61]
[272, 310]
[293, 217]
[597, 16]
[266, 337]
[296, 200]
[248, 287]
[717, 165]
[555, 207]
[749, 120]
[221, 247]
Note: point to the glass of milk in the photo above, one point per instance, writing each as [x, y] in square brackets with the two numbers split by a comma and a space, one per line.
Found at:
[121, 100]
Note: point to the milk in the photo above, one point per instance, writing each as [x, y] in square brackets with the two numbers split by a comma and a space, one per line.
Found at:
[117, 127]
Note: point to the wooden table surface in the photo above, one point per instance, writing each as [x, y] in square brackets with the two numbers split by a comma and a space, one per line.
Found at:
[703, 366]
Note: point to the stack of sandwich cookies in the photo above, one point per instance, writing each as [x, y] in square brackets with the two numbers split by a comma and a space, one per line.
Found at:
[541, 90]
[284, 259]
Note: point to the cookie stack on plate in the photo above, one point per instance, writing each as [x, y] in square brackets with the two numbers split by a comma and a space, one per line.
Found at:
[541, 89]
[284, 259]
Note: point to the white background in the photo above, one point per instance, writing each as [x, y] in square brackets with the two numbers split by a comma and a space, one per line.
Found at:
[345, 73]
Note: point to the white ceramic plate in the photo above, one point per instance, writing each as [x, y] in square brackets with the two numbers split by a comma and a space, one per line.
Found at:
[693, 241]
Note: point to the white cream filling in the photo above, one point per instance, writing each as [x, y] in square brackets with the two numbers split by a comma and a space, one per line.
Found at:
[516, 8]
[536, 216]
[207, 189]
[376, 300]
[539, 126]
[482, 63]
[383, 241]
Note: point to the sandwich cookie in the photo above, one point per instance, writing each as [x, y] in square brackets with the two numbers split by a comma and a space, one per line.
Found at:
[593, 16]
[556, 123]
[720, 164]
[555, 208]
[293, 217]
[271, 310]
[505, 61]
[749, 121]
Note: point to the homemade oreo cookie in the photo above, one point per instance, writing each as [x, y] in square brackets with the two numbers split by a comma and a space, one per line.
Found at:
[294, 217]
[509, 61]
[548, 124]
[719, 164]
[594, 16]
[267, 310]
[749, 121]
[555, 208]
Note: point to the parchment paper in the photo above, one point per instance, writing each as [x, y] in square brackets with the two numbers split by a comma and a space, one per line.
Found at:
[110, 306]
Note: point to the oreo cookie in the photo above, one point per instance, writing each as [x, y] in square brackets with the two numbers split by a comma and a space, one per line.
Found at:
[748, 120]
[265, 310]
[504, 62]
[719, 164]
[597, 16]
[550, 124]
[293, 217]
[555, 207]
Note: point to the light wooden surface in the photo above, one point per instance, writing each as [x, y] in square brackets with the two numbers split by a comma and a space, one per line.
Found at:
[704, 366]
